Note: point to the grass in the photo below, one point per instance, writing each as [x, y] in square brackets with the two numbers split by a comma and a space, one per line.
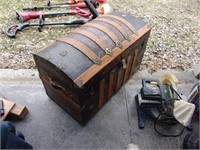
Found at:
[28, 36]
[175, 29]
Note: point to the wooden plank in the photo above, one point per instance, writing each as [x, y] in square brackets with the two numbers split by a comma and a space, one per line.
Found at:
[19, 111]
[119, 79]
[101, 93]
[111, 84]
[134, 62]
[8, 105]
[128, 68]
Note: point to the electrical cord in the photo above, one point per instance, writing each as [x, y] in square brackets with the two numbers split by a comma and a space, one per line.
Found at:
[165, 135]
[175, 91]
[163, 113]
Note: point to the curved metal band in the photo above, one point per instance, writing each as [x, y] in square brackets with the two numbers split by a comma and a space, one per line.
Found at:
[103, 29]
[82, 48]
[114, 24]
[124, 21]
[95, 39]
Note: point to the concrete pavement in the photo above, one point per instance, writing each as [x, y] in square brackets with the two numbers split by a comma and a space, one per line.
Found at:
[47, 126]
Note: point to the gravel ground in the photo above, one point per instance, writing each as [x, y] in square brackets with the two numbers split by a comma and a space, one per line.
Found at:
[174, 41]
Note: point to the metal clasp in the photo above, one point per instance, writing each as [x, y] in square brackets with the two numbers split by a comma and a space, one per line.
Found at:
[63, 53]
[127, 38]
[108, 51]
[118, 44]
[135, 32]
[124, 63]
[96, 60]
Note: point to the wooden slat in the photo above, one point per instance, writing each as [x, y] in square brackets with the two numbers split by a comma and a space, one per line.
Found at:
[111, 83]
[127, 71]
[106, 86]
[93, 70]
[138, 60]
[131, 62]
[8, 105]
[101, 93]
[119, 79]
[134, 62]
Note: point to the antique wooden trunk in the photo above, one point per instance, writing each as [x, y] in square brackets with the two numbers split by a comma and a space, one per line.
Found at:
[84, 69]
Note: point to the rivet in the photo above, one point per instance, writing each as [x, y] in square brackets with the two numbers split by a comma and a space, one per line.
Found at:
[62, 67]
[48, 58]
[63, 53]
[79, 83]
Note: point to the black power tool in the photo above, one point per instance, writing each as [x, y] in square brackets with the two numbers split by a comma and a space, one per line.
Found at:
[153, 100]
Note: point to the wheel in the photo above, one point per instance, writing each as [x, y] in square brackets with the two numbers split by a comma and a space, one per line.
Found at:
[191, 141]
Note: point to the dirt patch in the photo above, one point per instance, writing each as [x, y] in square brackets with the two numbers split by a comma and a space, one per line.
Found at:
[174, 40]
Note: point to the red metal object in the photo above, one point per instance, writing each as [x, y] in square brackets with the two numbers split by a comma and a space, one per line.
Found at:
[79, 5]
[101, 1]
[25, 16]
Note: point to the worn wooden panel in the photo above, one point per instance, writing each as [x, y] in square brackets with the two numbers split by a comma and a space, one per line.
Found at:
[134, 62]
[111, 84]
[128, 68]
[101, 93]
[119, 79]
